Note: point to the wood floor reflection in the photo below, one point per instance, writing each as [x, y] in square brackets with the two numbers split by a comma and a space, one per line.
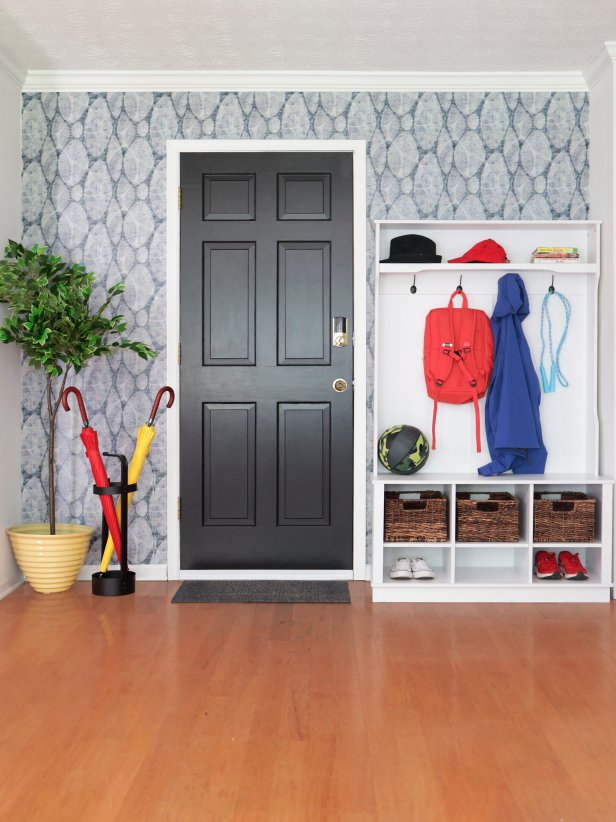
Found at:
[137, 709]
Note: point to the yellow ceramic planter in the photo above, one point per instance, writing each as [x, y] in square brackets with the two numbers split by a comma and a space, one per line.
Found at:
[50, 563]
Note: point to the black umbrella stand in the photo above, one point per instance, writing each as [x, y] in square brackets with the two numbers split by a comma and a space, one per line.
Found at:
[122, 582]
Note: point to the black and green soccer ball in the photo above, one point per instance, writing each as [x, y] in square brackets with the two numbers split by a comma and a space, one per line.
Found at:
[407, 446]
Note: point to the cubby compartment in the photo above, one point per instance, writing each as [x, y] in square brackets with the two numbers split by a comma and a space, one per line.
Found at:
[493, 516]
[559, 494]
[437, 556]
[486, 497]
[416, 516]
[492, 565]
[590, 557]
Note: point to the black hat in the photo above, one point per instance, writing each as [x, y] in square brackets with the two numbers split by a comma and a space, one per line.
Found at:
[412, 248]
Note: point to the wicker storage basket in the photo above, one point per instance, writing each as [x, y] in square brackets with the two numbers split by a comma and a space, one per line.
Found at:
[569, 518]
[421, 517]
[493, 516]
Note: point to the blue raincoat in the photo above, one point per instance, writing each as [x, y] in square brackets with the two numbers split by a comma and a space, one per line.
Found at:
[513, 426]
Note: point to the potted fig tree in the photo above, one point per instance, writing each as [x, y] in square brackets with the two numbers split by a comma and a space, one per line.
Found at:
[49, 316]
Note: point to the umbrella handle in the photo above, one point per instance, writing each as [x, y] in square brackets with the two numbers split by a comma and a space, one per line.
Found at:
[159, 396]
[80, 403]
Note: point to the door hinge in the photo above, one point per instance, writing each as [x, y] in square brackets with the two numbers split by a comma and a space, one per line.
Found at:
[179, 507]
[179, 353]
[179, 197]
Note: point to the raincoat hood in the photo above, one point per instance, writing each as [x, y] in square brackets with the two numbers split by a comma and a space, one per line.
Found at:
[513, 425]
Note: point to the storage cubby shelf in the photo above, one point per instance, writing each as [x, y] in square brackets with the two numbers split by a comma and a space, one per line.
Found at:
[565, 546]
[487, 571]
[427, 478]
[591, 582]
[495, 545]
[486, 578]
[409, 546]
[518, 268]
[441, 580]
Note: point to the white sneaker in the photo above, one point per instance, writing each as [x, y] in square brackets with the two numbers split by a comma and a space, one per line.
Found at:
[401, 569]
[421, 569]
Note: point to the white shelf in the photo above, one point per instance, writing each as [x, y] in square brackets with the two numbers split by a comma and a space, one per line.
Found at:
[591, 582]
[494, 225]
[425, 478]
[564, 546]
[517, 268]
[495, 545]
[410, 546]
[440, 581]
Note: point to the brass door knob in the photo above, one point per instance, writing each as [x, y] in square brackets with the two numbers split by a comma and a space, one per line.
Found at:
[340, 385]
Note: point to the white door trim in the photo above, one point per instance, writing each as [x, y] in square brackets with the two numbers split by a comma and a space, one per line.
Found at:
[175, 148]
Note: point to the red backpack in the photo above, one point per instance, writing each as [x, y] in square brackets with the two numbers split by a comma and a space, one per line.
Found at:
[458, 357]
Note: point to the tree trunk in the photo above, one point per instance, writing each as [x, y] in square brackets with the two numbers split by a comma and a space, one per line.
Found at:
[51, 459]
[52, 409]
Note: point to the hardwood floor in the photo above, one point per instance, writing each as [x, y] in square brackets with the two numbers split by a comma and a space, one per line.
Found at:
[136, 709]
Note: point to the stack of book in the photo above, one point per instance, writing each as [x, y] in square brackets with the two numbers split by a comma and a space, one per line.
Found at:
[555, 254]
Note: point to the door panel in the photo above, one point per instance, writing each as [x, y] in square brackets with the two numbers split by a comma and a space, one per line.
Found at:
[228, 459]
[228, 303]
[304, 196]
[304, 305]
[228, 196]
[266, 444]
[304, 451]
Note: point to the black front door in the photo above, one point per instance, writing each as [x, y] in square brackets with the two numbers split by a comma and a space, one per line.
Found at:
[266, 443]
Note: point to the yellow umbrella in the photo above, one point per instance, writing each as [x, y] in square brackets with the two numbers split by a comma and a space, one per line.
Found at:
[145, 435]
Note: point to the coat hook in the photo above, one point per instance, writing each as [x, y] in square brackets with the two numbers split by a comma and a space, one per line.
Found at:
[459, 288]
[551, 289]
[414, 287]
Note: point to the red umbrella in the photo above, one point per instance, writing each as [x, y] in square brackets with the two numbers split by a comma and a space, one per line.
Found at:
[89, 437]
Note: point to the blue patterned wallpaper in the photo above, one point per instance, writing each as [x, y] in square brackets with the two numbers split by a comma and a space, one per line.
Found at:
[94, 191]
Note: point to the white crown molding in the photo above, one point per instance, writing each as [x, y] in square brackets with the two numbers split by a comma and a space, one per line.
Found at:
[604, 60]
[37, 81]
[11, 69]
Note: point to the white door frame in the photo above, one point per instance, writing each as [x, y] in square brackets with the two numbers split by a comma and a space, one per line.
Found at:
[175, 148]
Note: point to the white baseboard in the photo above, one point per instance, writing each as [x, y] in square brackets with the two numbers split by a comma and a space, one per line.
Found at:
[143, 572]
[7, 586]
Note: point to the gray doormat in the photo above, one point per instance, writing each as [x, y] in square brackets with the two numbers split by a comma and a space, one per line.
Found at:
[262, 590]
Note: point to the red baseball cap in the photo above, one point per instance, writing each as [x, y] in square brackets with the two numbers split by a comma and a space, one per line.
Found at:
[487, 251]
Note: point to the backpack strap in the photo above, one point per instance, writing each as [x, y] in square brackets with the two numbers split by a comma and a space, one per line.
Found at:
[456, 293]
[465, 356]
[444, 362]
[467, 334]
[468, 364]
[459, 358]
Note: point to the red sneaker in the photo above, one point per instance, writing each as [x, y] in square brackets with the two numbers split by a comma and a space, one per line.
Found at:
[571, 566]
[546, 566]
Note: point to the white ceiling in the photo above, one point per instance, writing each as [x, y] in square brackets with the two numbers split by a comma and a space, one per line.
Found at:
[310, 35]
